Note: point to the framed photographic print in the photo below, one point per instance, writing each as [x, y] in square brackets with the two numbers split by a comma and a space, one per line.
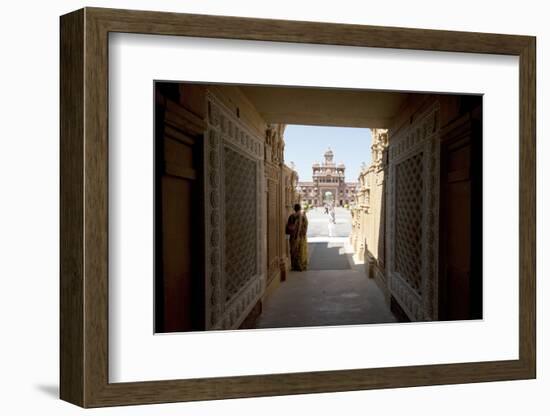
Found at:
[255, 207]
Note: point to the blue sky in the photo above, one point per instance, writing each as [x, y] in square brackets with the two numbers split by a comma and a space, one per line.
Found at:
[305, 145]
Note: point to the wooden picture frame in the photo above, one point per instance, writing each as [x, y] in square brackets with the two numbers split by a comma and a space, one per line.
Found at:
[84, 207]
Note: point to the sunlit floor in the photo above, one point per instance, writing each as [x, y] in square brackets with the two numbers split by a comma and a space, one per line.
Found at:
[319, 225]
[342, 295]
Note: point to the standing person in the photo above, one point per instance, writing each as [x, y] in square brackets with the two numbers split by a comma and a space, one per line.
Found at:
[331, 222]
[296, 228]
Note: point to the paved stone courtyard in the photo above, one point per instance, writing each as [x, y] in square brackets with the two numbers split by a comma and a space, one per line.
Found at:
[319, 225]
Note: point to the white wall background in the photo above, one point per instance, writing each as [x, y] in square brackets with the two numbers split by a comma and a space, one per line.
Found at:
[29, 181]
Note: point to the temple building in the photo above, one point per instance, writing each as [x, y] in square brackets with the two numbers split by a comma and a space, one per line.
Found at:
[329, 184]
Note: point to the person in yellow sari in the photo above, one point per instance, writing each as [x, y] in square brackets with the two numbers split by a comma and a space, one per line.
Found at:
[296, 228]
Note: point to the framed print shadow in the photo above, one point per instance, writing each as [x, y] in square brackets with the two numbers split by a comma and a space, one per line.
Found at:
[237, 193]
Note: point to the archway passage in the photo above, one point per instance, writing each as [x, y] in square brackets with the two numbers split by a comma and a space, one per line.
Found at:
[385, 239]
[334, 289]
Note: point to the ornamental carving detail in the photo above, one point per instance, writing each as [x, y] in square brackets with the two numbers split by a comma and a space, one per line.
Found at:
[412, 215]
[233, 166]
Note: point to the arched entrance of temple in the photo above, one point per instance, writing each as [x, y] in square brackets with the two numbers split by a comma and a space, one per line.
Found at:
[328, 197]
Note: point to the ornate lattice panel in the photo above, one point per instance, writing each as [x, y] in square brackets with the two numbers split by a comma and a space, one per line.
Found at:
[413, 239]
[240, 221]
[408, 220]
[233, 169]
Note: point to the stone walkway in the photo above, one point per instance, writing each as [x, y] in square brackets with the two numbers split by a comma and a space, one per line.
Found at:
[327, 256]
[326, 297]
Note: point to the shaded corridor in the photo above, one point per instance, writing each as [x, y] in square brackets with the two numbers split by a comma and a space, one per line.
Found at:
[322, 296]
[327, 256]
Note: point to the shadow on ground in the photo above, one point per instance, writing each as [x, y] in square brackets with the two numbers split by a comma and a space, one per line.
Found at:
[326, 256]
[49, 390]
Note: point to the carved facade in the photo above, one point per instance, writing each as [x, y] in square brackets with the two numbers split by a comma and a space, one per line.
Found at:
[249, 194]
[368, 216]
[233, 171]
[329, 184]
[274, 157]
[413, 215]
[395, 222]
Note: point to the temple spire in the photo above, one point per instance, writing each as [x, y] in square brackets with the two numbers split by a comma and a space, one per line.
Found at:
[329, 155]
